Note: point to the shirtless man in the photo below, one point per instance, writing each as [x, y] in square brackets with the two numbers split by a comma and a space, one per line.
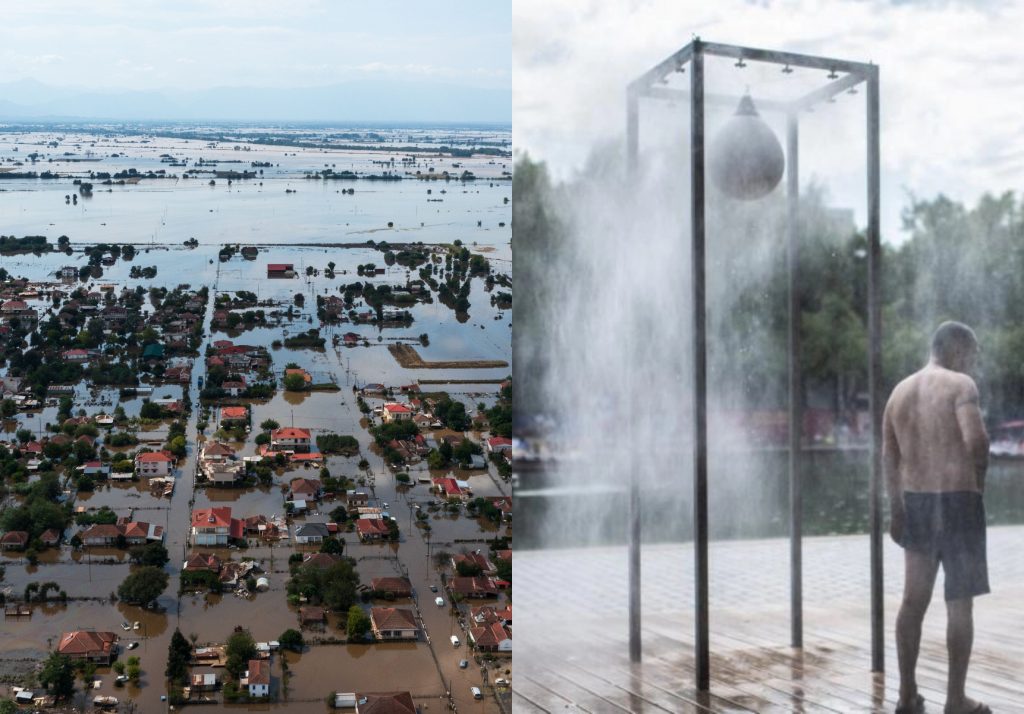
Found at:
[935, 452]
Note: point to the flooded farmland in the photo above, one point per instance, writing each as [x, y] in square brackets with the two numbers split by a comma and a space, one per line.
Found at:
[245, 295]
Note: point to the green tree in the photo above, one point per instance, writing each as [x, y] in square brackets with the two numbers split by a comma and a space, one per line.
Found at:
[179, 653]
[154, 554]
[143, 585]
[58, 675]
[358, 624]
[295, 383]
[241, 648]
[291, 640]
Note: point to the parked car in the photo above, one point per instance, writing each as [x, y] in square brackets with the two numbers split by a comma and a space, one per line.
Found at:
[502, 682]
[132, 645]
[477, 694]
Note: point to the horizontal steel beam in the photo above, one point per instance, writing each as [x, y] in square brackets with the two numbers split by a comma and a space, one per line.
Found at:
[716, 99]
[830, 90]
[791, 58]
[662, 69]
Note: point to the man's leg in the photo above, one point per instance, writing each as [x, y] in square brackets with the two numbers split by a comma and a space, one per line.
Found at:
[919, 579]
[959, 640]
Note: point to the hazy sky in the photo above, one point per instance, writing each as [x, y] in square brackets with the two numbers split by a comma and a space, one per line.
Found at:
[197, 44]
[951, 77]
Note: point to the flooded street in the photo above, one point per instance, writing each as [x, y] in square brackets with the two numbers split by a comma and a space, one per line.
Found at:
[324, 233]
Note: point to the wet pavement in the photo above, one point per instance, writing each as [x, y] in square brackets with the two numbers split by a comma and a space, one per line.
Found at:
[573, 657]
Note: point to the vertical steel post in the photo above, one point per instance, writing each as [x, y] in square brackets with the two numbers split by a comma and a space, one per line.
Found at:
[634, 536]
[796, 515]
[700, 427]
[875, 372]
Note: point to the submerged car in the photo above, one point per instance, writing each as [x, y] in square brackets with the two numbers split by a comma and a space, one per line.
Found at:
[463, 663]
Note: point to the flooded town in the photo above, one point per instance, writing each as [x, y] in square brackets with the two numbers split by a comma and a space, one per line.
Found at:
[256, 418]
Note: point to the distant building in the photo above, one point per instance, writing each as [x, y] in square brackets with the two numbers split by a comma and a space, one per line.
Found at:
[153, 463]
[215, 526]
[280, 270]
[393, 411]
[88, 645]
[393, 623]
[290, 438]
[258, 678]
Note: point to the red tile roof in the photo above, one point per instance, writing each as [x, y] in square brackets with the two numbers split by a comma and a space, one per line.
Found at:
[396, 408]
[153, 457]
[490, 635]
[203, 561]
[392, 618]
[259, 671]
[212, 517]
[399, 586]
[289, 432]
[85, 643]
[233, 412]
[371, 526]
[14, 538]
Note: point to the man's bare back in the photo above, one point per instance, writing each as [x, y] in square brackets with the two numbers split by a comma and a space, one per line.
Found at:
[935, 452]
[933, 424]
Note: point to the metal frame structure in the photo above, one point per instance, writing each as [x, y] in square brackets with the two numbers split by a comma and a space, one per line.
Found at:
[843, 75]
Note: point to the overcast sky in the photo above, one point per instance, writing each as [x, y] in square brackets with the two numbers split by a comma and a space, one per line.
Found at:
[199, 44]
[952, 93]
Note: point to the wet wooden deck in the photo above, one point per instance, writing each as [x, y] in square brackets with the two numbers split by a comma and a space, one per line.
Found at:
[571, 646]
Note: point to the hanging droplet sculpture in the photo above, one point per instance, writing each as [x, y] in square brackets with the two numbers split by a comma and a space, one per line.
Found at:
[746, 159]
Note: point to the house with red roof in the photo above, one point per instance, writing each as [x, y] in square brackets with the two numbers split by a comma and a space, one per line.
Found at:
[448, 487]
[393, 623]
[203, 561]
[14, 540]
[475, 587]
[290, 438]
[370, 529]
[394, 586]
[305, 489]
[215, 526]
[88, 645]
[499, 444]
[154, 463]
[280, 270]
[234, 416]
[492, 637]
[258, 678]
[474, 560]
[393, 411]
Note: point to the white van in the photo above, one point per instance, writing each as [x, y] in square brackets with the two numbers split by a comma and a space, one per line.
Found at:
[439, 601]
[455, 641]
[477, 694]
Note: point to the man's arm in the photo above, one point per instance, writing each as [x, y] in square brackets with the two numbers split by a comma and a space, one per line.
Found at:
[891, 468]
[972, 428]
